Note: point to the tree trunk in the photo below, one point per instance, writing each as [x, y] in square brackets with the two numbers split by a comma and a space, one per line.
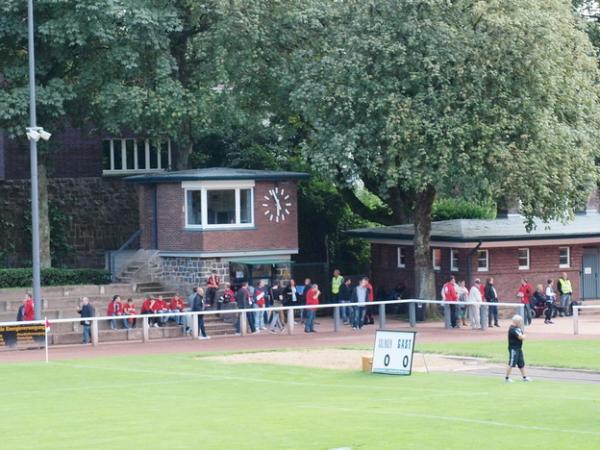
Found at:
[45, 258]
[183, 157]
[424, 275]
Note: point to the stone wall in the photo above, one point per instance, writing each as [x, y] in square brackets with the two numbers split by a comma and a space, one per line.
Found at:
[99, 214]
[184, 273]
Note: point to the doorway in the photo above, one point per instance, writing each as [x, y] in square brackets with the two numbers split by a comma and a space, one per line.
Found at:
[590, 283]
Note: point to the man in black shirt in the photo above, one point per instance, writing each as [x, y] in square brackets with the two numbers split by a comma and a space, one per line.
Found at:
[515, 348]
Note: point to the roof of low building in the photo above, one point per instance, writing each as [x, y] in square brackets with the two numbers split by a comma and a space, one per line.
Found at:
[503, 229]
[216, 173]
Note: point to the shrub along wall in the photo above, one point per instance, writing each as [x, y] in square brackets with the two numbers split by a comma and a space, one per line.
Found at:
[53, 277]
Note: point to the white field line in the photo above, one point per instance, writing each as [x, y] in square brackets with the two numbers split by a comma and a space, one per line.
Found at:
[453, 419]
[192, 374]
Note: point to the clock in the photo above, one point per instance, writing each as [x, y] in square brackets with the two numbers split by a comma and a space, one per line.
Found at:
[277, 205]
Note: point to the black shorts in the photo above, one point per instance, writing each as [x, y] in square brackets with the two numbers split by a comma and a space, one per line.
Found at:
[515, 358]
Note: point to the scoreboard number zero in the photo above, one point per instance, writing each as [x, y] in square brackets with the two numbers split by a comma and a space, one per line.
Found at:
[393, 352]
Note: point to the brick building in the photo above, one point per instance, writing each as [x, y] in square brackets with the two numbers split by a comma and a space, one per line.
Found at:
[88, 199]
[242, 223]
[500, 248]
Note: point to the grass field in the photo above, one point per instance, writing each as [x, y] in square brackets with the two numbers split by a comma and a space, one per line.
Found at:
[578, 354]
[184, 402]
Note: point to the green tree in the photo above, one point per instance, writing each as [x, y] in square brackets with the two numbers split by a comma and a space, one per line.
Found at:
[87, 54]
[471, 99]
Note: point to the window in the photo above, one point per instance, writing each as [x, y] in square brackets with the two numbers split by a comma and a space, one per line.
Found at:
[135, 155]
[453, 260]
[401, 257]
[523, 258]
[483, 261]
[213, 206]
[194, 207]
[564, 258]
[436, 256]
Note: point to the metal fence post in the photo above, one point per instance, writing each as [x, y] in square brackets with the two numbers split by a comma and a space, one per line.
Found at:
[522, 314]
[575, 320]
[412, 314]
[484, 317]
[195, 330]
[336, 319]
[447, 322]
[145, 330]
[243, 323]
[381, 317]
[290, 321]
[94, 332]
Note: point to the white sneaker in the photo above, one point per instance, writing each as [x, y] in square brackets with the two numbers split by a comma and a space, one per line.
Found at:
[527, 379]
[202, 338]
[238, 334]
[256, 332]
[508, 380]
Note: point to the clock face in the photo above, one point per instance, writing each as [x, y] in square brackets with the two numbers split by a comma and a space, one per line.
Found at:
[277, 204]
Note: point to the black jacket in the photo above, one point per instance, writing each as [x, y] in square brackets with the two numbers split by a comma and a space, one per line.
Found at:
[345, 292]
[198, 303]
[242, 298]
[490, 293]
[86, 311]
[287, 297]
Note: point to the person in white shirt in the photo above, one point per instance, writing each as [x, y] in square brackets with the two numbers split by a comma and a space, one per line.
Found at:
[474, 310]
[550, 299]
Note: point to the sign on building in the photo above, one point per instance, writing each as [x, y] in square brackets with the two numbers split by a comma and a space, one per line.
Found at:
[393, 352]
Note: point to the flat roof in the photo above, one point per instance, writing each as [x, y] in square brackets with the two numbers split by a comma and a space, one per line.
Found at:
[216, 173]
[503, 229]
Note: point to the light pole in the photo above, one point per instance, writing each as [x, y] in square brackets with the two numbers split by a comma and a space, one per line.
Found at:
[34, 133]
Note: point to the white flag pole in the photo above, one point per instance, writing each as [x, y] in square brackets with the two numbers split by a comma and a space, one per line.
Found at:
[46, 331]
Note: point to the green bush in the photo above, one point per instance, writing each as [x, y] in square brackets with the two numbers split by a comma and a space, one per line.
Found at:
[53, 277]
[451, 208]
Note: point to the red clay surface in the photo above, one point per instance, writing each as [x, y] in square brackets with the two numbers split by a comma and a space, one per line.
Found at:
[325, 337]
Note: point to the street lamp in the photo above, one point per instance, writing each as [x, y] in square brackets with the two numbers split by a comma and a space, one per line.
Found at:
[34, 133]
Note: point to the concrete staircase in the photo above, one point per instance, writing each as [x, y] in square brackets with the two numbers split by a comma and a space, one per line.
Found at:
[62, 302]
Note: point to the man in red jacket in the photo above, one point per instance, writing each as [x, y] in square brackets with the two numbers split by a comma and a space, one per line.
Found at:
[115, 309]
[525, 292]
[26, 310]
[312, 298]
[450, 295]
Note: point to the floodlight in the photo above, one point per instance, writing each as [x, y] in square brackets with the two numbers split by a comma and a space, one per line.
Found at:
[33, 135]
[44, 134]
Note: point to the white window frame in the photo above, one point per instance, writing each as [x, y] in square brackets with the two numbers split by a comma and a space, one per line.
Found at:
[487, 260]
[527, 266]
[433, 251]
[453, 253]
[204, 187]
[118, 151]
[568, 265]
[401, 256]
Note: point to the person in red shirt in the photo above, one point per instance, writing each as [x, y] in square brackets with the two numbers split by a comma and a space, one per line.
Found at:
[524, 294]
[212, 286]
[177, 305]
[129, 310]
[161, 307]
[370, 298]
[148, 307]
[115, 308]
[450, 294]
[26, 310]
[312, 298]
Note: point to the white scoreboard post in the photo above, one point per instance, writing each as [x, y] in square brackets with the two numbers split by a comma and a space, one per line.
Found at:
[393, 352]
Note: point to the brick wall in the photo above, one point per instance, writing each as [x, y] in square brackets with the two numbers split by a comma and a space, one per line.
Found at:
[172, 235]
[503, 266]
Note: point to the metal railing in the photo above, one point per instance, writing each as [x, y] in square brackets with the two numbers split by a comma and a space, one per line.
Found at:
[118, 259]
[288, 310]
[576, 309]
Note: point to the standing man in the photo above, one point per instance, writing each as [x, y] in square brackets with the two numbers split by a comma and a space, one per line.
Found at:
[26, 310]
[565, 290]
[336, 283]
[474, 310]
[212, 286]
[86, 311]
[243, 300]
[312, 298]
[198, 305]
[360, 295]
[515, 348]
[491, 296]
[450, 295]
[524, 295]
[345, 296]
